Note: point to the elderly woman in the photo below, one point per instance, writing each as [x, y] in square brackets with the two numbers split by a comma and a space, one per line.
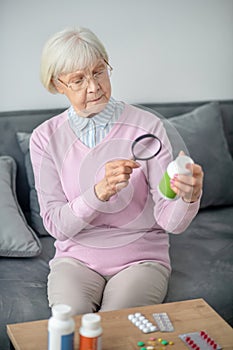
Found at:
[103, 208]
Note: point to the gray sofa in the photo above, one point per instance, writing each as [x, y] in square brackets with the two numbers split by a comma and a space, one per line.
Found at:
[202, 257]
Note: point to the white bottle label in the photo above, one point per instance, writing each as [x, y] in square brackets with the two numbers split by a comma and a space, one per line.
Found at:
[62, 342]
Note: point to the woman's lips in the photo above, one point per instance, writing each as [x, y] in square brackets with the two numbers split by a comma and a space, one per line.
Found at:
[96, 99]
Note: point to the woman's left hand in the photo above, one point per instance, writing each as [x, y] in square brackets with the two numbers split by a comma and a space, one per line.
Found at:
[189, 188]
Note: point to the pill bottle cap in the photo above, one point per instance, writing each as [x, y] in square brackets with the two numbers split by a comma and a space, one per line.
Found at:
[181, 162]
[61, 311]
[91, 321]
[178, 166]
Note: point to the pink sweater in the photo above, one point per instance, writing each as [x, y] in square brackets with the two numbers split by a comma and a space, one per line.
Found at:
[129, 228]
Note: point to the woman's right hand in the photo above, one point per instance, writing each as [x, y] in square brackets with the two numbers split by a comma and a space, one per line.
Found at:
[117, 175]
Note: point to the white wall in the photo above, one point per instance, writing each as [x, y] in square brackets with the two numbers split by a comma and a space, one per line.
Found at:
[161, 50]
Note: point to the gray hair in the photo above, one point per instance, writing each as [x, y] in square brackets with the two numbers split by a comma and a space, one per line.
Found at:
[68, 51]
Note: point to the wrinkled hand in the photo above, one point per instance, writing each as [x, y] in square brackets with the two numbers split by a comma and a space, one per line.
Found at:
[188, 187]
[117, 175]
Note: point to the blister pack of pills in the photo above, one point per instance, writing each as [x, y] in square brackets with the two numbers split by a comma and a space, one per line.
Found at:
[142, 323]
[163, 322]
[199, 341]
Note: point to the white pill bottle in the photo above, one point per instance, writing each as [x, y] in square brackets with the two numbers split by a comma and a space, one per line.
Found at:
[61, 328]
[90, 332]
[178, 166]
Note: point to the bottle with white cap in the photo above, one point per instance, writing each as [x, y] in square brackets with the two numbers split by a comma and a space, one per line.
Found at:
[90, 332]
[178, 166]
[61, 328]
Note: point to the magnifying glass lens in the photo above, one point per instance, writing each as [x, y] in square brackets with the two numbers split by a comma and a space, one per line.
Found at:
[146, 147]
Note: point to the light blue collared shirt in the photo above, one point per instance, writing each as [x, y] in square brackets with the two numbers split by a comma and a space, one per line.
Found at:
[93, 130]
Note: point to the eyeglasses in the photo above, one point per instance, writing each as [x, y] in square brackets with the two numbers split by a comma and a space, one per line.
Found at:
[82, 83]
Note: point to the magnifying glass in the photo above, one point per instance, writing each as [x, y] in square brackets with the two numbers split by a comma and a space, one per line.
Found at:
[146, 147]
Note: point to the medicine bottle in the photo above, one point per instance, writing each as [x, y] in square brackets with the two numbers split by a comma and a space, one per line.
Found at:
[90, 332]
[61, 328]
[178, 166]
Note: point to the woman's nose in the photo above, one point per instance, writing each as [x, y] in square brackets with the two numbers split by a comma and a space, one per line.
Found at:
[92, 85]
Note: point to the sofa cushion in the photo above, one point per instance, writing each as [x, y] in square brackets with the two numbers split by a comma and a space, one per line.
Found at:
[24, 289]
[17, 239]
[200, 133]
[35, 218]
[202, 261]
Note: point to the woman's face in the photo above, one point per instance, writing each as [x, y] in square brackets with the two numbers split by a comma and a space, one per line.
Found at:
[88, 90]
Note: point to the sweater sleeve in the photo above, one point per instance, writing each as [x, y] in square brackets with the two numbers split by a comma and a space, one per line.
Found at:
[176, 215]
[63, 219]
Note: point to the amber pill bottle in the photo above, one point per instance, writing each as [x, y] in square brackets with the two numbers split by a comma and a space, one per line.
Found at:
[90, 332]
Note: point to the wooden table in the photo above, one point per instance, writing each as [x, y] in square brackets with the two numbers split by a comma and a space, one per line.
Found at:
[120, 334]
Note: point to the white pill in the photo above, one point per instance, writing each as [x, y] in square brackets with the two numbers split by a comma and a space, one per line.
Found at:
[146, 330]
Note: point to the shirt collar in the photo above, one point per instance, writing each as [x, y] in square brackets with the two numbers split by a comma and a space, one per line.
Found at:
[101, 119]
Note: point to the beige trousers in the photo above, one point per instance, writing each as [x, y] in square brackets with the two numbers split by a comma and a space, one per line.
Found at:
[71, 282]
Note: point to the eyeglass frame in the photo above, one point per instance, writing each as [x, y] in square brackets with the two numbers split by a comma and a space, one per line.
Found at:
[69, 85]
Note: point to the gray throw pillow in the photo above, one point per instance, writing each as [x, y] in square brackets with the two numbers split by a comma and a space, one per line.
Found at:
[202, 136]
[17, 239]
[35, 218]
